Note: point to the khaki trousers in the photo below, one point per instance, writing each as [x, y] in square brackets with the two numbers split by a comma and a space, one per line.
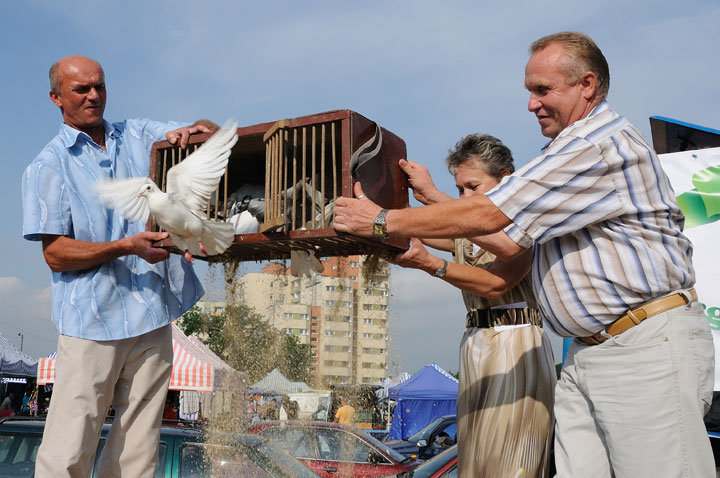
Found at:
[505, 402]
[633, 406]
[131, 374]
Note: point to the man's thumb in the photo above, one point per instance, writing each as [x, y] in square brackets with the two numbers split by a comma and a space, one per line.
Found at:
[357, 189]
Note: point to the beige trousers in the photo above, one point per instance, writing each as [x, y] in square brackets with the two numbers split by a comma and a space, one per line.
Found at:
[131, 374]
[505, 402]
[633, 406]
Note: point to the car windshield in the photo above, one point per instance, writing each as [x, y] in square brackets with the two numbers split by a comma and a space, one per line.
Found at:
[431, 466]
[274, 457]
[424, 432]
[384, 448]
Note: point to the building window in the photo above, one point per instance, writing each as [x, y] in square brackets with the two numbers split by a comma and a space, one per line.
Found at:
[353, 264]
[368, 321]
[330, 303]
[353, 278]
[367, 335]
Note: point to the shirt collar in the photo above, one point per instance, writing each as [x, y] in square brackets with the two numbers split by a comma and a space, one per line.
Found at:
[599, 108]
[70, 135]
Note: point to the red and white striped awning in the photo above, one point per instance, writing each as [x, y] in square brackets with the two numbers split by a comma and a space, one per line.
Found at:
[46, 370]
[189, 370]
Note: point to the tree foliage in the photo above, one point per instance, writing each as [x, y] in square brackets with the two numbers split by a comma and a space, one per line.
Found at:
[294, 359]
[247, 342]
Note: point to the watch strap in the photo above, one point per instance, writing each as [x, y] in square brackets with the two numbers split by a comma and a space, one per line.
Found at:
[379, 227]
[443, 270]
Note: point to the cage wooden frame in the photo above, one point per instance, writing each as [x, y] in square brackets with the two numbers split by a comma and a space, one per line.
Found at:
[330, 138]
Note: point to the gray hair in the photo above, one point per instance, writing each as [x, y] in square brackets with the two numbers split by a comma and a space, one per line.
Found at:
[494, 157]
[54, 77]
[583, 54]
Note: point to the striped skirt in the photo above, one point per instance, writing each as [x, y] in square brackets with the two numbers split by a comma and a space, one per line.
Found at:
[505, 402]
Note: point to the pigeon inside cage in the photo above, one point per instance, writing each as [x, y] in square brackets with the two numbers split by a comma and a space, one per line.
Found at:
[283, 178]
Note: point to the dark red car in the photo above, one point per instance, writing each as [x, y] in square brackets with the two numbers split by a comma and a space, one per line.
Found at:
[334, 450]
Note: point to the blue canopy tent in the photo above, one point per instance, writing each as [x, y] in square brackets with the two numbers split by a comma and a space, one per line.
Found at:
[428, 394]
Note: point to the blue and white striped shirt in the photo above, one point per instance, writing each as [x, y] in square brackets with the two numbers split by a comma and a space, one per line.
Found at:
[604, 222]
[125, 297]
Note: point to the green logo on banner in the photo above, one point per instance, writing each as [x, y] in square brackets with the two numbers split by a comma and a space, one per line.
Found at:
[702, 204]
[713, 316]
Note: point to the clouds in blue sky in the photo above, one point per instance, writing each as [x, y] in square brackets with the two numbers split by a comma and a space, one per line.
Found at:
[430, 72]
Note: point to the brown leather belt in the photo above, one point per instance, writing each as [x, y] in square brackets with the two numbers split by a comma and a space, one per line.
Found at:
[486, 318]
[635, 316]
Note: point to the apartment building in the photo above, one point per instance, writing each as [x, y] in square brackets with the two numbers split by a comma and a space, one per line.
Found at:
[342, 314]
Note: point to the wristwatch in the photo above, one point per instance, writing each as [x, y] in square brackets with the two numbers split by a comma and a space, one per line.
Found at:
[441, 272]
[379, 228]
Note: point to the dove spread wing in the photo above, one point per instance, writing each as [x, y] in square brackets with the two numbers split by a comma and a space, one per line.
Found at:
[122, 195]
[194, 180]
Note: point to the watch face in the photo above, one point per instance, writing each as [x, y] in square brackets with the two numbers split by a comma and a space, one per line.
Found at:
[378, 230]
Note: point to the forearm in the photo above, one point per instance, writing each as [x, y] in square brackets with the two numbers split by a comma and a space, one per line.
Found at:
[434, 196]
[447, 245]
[438, 221]
[474, 280]
[64, 254]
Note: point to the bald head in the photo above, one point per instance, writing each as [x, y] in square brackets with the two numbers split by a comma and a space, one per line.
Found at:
[69, 62]
[77, 87]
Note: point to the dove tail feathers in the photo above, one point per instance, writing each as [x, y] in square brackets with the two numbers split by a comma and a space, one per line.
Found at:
[217, 236]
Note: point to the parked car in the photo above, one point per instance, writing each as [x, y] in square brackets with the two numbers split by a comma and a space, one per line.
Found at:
[331, 449]
[379, 434]
[182, 454]
[431, 440]
[443, 465]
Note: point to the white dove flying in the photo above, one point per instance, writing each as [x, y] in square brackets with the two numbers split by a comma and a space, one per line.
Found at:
[179, 211]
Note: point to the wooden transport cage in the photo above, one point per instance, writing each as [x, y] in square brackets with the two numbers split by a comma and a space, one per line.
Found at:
[297, 168]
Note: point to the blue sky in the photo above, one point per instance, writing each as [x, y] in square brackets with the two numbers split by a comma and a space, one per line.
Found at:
[430, 72]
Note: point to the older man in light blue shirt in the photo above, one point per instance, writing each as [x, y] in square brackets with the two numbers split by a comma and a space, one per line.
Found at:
[113, 293]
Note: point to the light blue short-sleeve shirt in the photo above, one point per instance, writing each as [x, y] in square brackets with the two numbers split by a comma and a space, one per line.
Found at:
[125, 297]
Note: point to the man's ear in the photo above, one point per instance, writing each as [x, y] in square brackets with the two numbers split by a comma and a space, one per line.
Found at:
[588, 85]
[55, 98]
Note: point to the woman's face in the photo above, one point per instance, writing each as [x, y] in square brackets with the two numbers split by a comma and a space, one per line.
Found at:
[472, 180]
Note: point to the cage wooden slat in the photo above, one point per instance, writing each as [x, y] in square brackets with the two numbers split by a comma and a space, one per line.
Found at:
[322, 175]
[285, 186]
[334, 162]
[294, 194]
[313, 182]
[304, 174]
[267, 183]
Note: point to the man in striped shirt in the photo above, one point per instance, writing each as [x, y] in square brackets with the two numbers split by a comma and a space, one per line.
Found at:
[610, 267]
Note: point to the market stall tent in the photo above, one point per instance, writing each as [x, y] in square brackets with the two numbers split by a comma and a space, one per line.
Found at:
[428, 394]
[276, 383]
[195, 367]
[15, 362]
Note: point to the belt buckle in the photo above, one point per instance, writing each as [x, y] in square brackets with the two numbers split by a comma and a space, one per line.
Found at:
[604, 333]
[688, 296]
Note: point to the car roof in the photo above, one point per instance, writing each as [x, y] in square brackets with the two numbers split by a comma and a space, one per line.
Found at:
[28, 424]
[299, 423]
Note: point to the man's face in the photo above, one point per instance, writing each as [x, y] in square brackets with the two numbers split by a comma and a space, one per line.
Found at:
[555, 103]
[82, 93]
